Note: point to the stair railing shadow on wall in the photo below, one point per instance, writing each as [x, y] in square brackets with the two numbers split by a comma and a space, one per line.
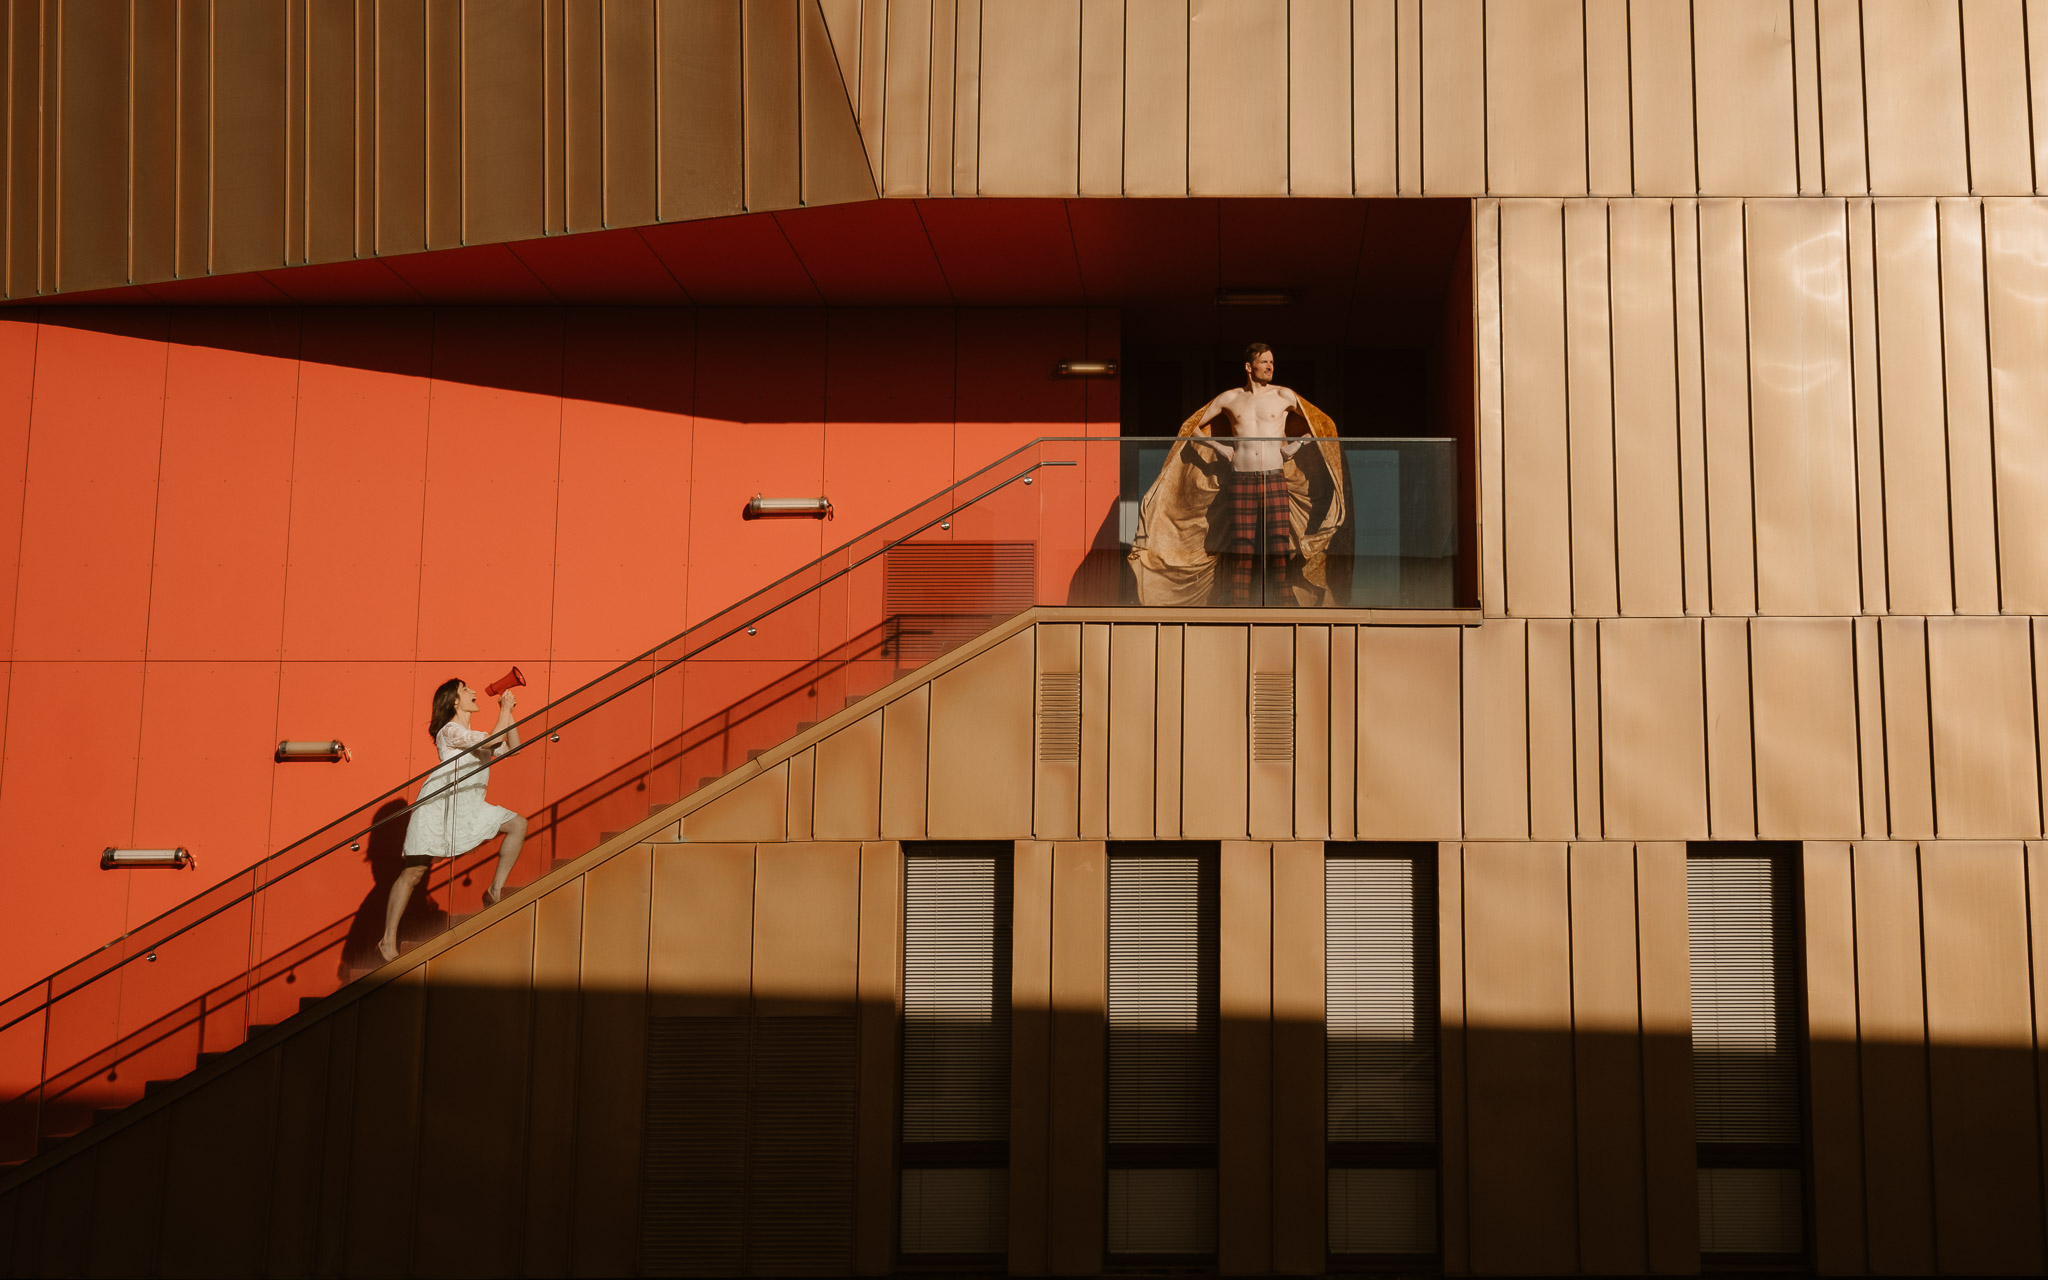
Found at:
[252, 950]
[1046, 524]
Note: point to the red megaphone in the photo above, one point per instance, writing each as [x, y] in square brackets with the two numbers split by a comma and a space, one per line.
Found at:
[510, 680]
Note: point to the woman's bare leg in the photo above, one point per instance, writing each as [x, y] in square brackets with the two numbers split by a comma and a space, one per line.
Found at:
[515, 835]
[401, 893]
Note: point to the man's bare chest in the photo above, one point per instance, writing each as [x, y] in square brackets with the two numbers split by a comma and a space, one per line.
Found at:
[1256, 415]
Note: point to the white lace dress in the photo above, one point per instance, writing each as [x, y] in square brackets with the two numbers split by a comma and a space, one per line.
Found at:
[448, 822]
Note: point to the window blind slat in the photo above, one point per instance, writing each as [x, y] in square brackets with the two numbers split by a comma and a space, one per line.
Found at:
[956, 1048]
[1745, 1053]
[1380, 1049]
[1162, 1053]
[1379, 990]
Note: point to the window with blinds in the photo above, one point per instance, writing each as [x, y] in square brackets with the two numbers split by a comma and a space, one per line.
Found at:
[1745, 1042]
[1380, 1051]
[1162, 1052]
[956, 1054]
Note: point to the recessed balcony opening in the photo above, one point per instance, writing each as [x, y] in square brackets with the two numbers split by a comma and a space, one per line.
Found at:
[1368, 307]
[937, 340]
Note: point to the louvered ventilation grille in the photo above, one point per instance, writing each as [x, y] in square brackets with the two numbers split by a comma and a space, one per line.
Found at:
[694, 1150]
[800, 1167]
[956, 1052]
[942, 594]
[1059, 717]
[1162, 1053]
[747, 1148]
[1745, 1054]
[1380, 1054]
[1272, 715]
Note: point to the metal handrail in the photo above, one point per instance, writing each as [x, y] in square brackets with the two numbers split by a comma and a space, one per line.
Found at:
[735, 627]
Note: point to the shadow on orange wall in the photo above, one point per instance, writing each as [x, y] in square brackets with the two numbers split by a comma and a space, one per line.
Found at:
[301, 520]
[384, 854]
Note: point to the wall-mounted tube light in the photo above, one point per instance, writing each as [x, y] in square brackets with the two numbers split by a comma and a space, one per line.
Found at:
[760, 508]
[1084, 369]
[170, 859]
[332, 751]
[1254, 298]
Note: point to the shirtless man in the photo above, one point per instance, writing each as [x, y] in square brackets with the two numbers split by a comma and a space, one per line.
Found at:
[1260, 417]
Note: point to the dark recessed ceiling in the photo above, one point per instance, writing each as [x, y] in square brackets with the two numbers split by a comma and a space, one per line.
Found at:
[1373, 270]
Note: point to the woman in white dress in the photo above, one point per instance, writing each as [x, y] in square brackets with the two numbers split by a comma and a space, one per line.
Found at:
[451, 820]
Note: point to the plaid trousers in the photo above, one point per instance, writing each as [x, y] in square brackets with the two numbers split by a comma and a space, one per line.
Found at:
[1261, 534]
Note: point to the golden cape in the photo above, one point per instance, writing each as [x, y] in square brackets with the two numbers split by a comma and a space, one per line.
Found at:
[1174, 552]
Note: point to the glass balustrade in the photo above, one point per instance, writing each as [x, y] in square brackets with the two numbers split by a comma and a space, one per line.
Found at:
[1061, 521]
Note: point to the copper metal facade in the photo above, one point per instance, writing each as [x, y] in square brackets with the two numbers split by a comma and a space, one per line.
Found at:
[1761, 314]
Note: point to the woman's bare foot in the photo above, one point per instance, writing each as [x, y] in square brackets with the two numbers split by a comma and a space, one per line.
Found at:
[388, 949]
[493, 896]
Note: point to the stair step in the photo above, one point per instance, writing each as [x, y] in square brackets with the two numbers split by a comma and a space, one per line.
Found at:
[209, 1058]
[259, 1028]
[757, 753]
[307, 1002]
[805, 726]
[104, 1113]
[151, 1088]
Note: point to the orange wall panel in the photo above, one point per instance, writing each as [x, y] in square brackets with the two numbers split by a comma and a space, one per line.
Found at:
[760, 414]
[626, 444]
[72, 733]
[204, 774]
[493, 465]
[596, 779]
[359, 476]
[223, 504]
[97, 434]
[888, 437]
[1005, 394]
[17, 382]
[372, 708]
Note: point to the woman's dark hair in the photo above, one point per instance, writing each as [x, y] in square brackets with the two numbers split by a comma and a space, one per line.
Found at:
[444, 706]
